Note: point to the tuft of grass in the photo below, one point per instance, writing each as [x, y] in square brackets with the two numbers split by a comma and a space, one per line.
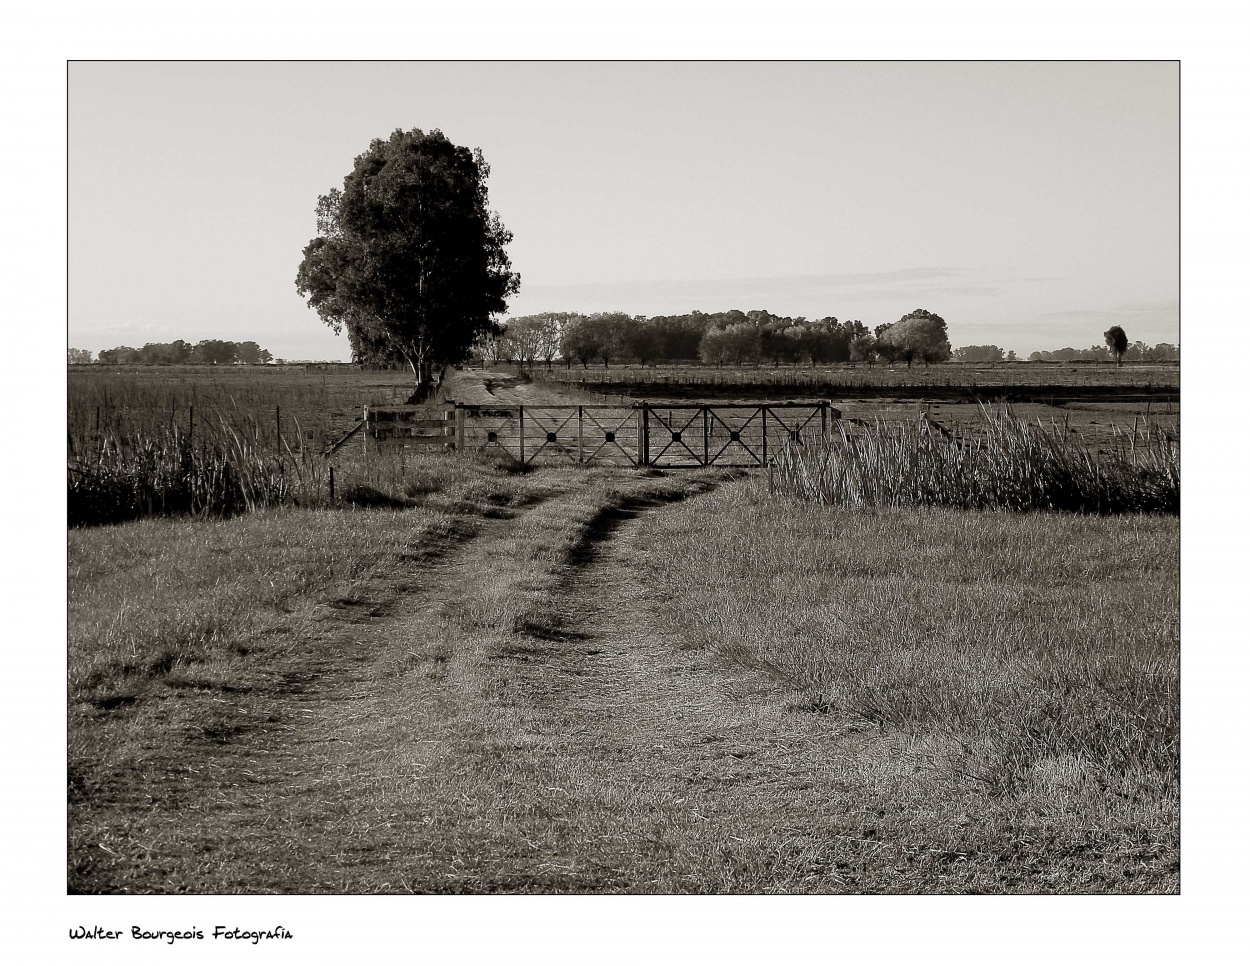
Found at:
[1006, 463]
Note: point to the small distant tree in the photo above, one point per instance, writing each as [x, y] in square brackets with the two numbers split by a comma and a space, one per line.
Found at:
[715, 347]
[917, 335]
[580, 341]
[489, 346]
[864, 348]
[979, 353]
[252, 354]
[744, 343]
[524, 339]
[120, 355]
[78, 357]
[1117, 342]
[550, 330]
[215, 352]
[641, 340]
[609, 329]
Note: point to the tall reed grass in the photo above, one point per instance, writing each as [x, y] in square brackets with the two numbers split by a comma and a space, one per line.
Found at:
[1004, 463]
[218, 472]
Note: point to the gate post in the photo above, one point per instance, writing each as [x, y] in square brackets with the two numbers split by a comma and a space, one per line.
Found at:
[641, 459]
[763, 435]
[459, 427]
[520, 415]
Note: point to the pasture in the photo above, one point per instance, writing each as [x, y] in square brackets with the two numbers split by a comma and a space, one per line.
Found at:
[852, 379]
[465, 675]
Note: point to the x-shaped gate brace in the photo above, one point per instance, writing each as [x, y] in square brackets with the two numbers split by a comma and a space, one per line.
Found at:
[609, 435]
[552, 436]
[677, 436]
[793, 433]
[735, 436]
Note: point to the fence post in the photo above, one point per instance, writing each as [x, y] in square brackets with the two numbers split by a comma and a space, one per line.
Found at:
[646, 430]
[364, 437]
[579, 434]
[520, 415]
[641, 415]
[706, 430]
[277, 421]
[763, 435]
[331, 484]
[460, 444]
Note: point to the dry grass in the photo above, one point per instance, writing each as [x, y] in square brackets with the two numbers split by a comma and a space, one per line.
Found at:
[227, 676]
[476, 677]
[514, 686]
[845, 378]
[1032, 662]
[1003, 463]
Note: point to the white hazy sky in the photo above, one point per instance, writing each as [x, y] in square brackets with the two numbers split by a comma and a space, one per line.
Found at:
[1030, 204]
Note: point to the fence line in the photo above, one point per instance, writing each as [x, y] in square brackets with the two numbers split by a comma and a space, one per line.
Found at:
[676, 436]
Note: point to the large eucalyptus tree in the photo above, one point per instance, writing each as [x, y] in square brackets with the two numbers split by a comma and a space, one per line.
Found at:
[408, 258]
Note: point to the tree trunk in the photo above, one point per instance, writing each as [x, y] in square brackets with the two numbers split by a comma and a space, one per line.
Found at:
[423, 377]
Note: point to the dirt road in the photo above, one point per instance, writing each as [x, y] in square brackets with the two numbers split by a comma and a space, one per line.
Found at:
[512, 709]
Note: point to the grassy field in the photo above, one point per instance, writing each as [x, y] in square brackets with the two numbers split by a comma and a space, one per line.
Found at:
[845, 378]
[153, 440]
[1023, 670]
[1098, 401]
[309, 405]
[466, 676]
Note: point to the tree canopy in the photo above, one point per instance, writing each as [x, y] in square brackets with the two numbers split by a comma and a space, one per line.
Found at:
[917, 335]
[1117, 342]
[407, 257]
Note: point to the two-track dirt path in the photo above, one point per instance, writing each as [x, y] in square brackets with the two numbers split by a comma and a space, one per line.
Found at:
[527, 719]
[513, 706]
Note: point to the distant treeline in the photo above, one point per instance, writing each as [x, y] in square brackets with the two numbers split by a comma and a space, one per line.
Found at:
[1136, 352]
[737, 338]
[215, 352]
[720, 338]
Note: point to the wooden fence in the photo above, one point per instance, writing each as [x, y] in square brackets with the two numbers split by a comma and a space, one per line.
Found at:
[642, 434]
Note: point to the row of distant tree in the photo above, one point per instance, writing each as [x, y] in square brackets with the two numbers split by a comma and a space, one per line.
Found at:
[719, 338]
[737, 338]
[215, 352]
[1134, 352]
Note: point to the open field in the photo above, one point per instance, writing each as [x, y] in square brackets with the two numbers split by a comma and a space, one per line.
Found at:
[1095, 400]
[945, 379]
[562, 681]
[465, 676]
[316, 401]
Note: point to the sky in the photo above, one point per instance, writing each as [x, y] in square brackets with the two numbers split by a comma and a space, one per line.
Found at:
[1031, 204]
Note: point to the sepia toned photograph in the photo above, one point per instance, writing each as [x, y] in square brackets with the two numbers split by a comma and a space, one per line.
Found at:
[730, 477]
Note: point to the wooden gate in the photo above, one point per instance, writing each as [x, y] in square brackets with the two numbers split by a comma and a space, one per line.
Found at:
[674, 436]
[403, 427]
